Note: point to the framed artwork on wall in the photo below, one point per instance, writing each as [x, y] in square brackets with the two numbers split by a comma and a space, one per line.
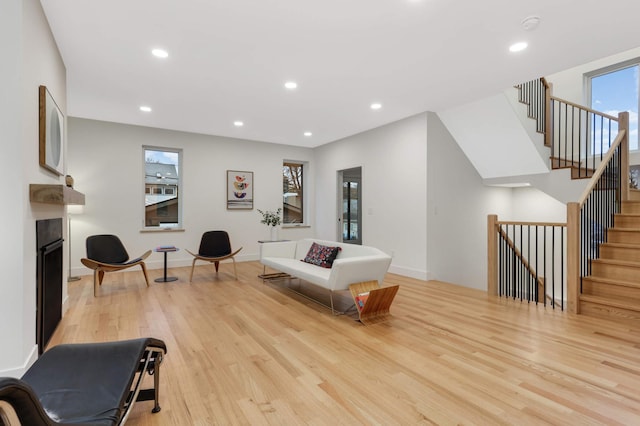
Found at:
[51, 128]
[239, 190]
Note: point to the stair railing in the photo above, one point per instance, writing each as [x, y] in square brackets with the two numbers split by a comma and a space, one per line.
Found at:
[589, 219]
[527, 261]
[578, 136]
[535, 94]
[519, 260]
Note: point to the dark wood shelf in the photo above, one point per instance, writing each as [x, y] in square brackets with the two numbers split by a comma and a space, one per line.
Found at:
[54, 194]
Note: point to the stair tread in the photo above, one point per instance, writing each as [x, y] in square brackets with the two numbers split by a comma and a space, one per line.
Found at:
[617, 229]
[621, 245]
[611, 281]
[617, 302]
[617, 262]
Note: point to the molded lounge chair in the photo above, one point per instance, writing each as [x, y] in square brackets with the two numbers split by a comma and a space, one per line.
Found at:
[214, 248]
[87, 383]
[106, 253]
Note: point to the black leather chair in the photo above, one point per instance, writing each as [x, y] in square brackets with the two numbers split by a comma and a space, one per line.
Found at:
[86, 383]
[106, 253]
[214, 248]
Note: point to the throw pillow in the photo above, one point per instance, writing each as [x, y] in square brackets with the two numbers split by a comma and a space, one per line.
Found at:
[321, 255]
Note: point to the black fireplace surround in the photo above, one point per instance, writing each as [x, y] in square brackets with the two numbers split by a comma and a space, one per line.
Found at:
[49, 279]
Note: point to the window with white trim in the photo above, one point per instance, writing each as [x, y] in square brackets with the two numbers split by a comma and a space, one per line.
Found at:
[615, 89]
[292, 192]
[162, 195]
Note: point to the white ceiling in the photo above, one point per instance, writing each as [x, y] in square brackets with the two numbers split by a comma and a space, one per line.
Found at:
[229, 59]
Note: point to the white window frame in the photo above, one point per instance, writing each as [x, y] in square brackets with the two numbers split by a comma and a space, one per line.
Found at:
[165, 227]
[305, 191]
[606, 70]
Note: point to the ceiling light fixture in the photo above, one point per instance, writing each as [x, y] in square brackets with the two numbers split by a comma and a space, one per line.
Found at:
[376, 105]
[160, 53]
[238, 123]
[518, 47]
[308, 134]
[145, 108]
[291, 85]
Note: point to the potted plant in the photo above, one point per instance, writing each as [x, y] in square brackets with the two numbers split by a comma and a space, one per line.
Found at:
[272, 220]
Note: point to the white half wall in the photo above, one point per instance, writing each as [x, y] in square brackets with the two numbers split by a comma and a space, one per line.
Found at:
[394, 183]
[106, 162]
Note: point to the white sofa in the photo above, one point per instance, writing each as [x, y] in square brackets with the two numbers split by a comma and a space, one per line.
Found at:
[353, 264]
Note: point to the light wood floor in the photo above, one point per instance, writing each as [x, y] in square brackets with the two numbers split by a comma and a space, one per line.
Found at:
[247, 353]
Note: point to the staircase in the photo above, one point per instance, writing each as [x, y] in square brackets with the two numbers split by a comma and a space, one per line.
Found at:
[610, 277]
[613, 288]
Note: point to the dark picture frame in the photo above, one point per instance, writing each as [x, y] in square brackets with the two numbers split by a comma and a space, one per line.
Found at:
[51, 129]
[239, 190]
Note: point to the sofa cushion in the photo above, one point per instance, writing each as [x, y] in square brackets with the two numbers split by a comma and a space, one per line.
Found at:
[321, 255]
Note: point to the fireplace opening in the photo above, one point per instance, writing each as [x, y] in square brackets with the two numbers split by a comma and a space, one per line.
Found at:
[49, 279]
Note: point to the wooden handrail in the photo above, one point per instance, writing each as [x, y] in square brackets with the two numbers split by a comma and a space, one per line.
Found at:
[506, 222]
[601, 167]
[584, 108]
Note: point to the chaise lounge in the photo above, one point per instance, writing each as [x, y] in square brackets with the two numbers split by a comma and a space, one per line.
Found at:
[88, 384]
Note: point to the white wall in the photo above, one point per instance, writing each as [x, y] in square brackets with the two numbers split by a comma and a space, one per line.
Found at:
[533, 205]
[394, 187]
[106, 162]
[12, 316]
[30, 58]
[457, 215]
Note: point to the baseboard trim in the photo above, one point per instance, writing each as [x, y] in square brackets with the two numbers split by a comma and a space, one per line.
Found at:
[19, 371]
[418, 274]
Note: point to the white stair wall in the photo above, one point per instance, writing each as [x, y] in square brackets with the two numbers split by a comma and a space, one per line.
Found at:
[492, 136]
[503, 145]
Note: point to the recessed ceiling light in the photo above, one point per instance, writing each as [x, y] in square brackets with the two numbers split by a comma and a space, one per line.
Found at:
[376, 105]
[160, 53]
[238, 123]
[291, 85]
[145, 108]
[308, 133]
[518, 47]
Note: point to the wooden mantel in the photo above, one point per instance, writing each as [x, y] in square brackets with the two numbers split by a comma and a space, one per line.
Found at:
[54, 194]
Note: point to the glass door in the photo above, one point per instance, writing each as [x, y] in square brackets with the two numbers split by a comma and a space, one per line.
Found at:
[350, 195]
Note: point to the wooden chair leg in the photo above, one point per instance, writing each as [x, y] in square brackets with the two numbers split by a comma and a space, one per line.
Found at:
[100, 276]
[193, 265]
[95, 283]
[217, 265]
[144, 271]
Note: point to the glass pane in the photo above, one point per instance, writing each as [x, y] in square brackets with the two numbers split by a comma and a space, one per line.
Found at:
[292, 183]
[614, 92]
[349, 211]
[161, 173]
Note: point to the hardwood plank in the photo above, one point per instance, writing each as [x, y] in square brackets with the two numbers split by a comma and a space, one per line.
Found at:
[246, 352]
